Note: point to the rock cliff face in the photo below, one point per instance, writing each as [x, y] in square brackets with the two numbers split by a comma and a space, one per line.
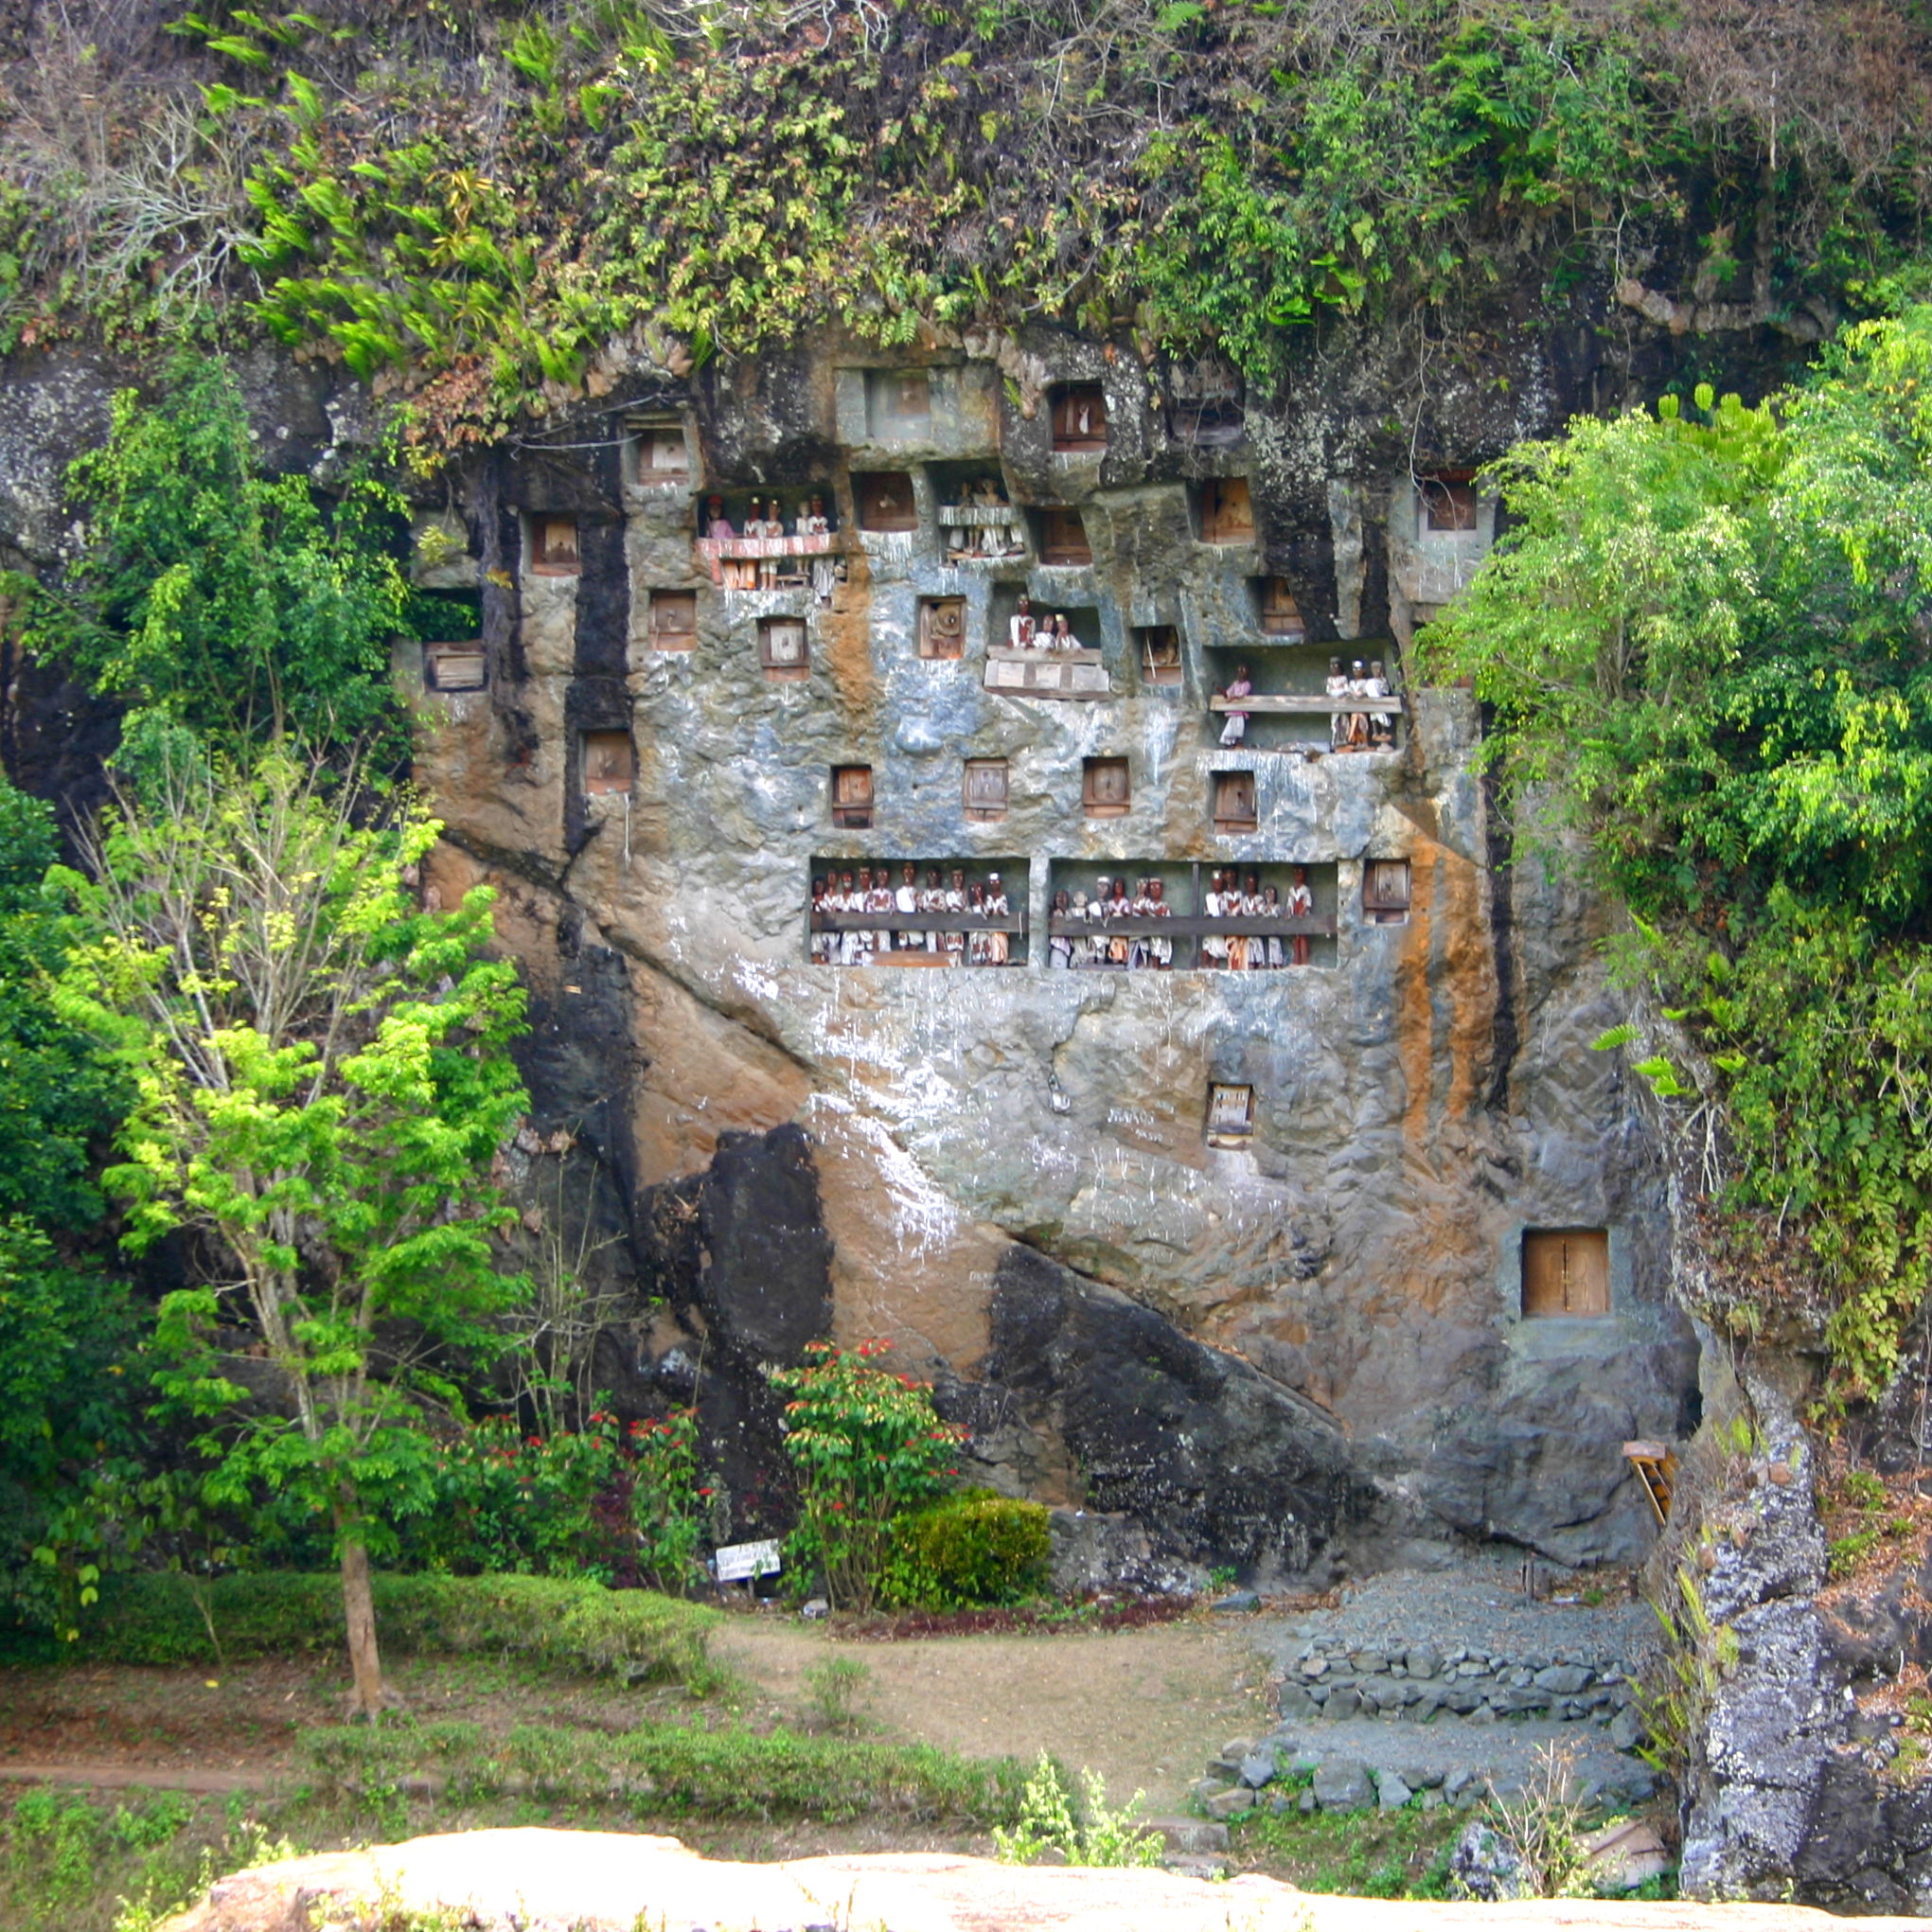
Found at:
[1308, 1343]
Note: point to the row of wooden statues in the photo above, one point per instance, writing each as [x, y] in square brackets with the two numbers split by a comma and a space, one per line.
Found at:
[988, 526]
[766, 519]
[1024, 631]
[1365, 730]
[1227, 897]
[872, 891]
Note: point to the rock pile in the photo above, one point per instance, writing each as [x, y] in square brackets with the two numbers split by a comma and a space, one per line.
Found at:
[1328, 1679]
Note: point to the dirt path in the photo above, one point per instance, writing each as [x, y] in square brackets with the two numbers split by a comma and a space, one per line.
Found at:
[1140, 1707]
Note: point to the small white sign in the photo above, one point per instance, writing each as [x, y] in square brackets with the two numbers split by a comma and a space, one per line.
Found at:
[742, 1560]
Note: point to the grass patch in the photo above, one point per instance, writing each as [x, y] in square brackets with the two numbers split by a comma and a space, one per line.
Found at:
[667, 1770]
[1376, 1854]
[636, 1636]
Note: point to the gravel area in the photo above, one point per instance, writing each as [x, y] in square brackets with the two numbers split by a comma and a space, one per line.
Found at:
[1479, 1605]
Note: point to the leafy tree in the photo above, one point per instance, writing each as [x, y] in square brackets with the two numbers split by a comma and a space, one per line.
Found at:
[1707, 641]
[215, 596]
[321, 1083]
[65, 1329]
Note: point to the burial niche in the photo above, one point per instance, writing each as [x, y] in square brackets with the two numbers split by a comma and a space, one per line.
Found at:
[673, 620]
[659, 450]
[942, 626]
[898, 403]
[1106, 788]
[1235, 802]
[1159, 653]
[452, 666]
[885, 501]
[1565, 1272]
[608, 763]
[852, 797]
[1385, 891]
[783, 650]
[1280, 616]
[1448, 500]
[1080, 417]
[984, 789]
[1231, 1114]
[1063, 537]
[554, 550]
[1227, 510]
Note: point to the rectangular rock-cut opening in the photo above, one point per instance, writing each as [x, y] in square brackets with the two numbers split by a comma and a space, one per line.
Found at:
[1010, 627]
[1160, 651]
[982, 790]
[1106, 788]
[607, 762]
[1290, 708]
[1448, 500]
[1277, 613]
[554, 547]
[659, 451]
[673, 620]
[454, 667]
[885, 501]
[1234, 801]
[1231, 1114]
[899, 404]
[1063, 537]
[1205, 404]
[852, 797]
[1565, 1272]
[1080, 417]
[784, 650]
[1226, 510]
[1385, 891]
[976, 520]
[919, 912]
[942, 626]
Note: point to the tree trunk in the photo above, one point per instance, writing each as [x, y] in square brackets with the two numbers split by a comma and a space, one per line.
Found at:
[369, 1697]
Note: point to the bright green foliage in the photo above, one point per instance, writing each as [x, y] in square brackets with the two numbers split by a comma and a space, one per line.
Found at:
[1091, 1835]
[65, 1332]
[973, 1548]
[475, 203]
[215, 596]
[321, 1082]
[667, 1507]
[865, 1446]
[569, 1624]
[1708, 641]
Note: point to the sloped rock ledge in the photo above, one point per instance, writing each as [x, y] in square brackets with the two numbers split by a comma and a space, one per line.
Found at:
[547, 1881]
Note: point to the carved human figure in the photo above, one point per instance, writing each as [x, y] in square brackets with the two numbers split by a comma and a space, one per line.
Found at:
[1338, 720]
[882, 900]
[1119, 906]
[955, 902]
[979, 951]
[1271, 909]
[1019, 627]
[1301, 906]
[1234, 726]
[1060, 945]
[1083, 948]
[846, 899]
[998, 948]
[867, 941]
[724, 571]
[932, 899]
[770, 567]
[1357, 737]
[820, 942]
[1063, 638]
[1381, 723]
[1154, 950]
[908, 938]
[816, 524]
[1254, 950]
[1234, 906]
[1213, 944]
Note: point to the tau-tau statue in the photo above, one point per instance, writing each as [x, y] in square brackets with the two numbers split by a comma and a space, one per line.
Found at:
[1271, 909]
[1150, 949]
[820, 942]
[907, 938]
[997, 950]
[1063, 638]
[1083, 948]
[1301, 906]
[1213, 944]
[1019, 627]
[1337, 686]
[1060, 945]
[1235, 727]
[1381, 725]
[814, 522]
[955, 902]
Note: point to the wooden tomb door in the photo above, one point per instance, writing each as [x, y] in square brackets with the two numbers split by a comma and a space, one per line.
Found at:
[1566, 1272]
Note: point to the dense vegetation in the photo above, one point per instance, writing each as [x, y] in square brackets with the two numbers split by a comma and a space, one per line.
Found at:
[1707, 643]
[472, 204]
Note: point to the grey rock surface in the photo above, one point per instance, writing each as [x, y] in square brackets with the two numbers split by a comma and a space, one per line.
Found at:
[1343, 1785]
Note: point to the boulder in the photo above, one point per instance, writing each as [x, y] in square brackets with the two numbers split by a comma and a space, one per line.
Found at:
[1485, 1867]
[1343, 1785]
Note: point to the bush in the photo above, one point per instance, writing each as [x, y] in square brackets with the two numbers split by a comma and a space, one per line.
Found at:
[578, 1625]
[974, 1548]
[867, 1445]
[1051, 1825]
[673, 1767]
